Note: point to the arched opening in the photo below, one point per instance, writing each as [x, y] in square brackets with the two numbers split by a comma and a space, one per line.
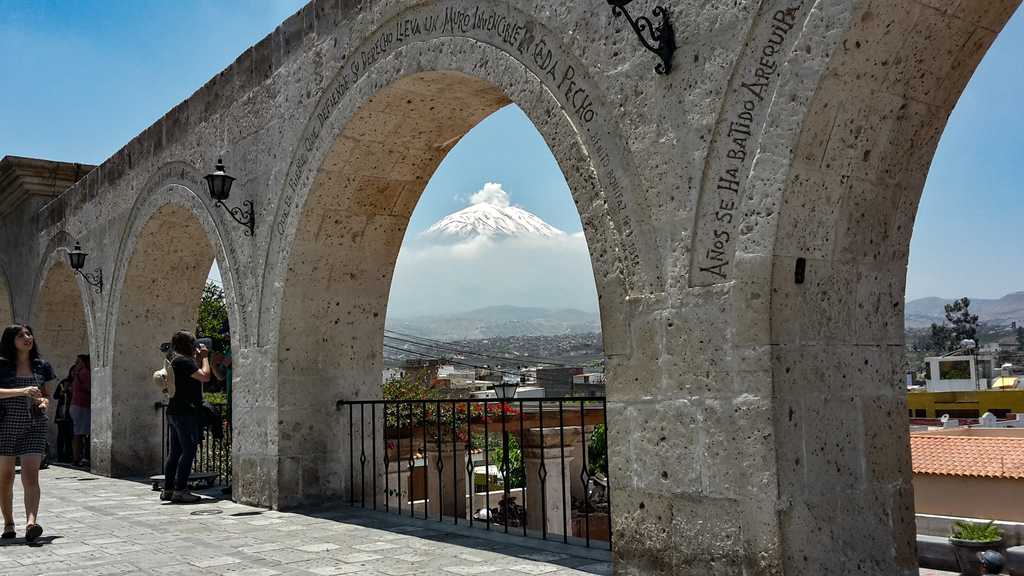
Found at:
[493, 337]
[59, 318]
[59, 321]
[162, 286]
[964, 363]
[342, 260]
[851, 193]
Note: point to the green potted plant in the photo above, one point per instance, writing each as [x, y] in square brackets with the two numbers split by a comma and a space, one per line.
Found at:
[970, 538]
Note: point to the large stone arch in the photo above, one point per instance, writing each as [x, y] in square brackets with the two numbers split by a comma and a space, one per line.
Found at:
[61, 307]
[168, 245]
[374, 140]
[828, 217]
[61, 312]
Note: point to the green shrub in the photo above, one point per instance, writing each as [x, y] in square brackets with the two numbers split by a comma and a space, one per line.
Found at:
[517, 470]
[597, 452]
[215, 398]
[976, 532]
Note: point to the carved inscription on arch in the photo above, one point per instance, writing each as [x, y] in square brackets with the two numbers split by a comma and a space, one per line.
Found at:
[737, 139]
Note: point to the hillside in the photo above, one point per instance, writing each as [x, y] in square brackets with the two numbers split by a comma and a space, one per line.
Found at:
[499, 322]
[922, 312]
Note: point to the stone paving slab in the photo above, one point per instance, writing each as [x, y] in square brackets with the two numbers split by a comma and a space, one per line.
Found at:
[102, 526]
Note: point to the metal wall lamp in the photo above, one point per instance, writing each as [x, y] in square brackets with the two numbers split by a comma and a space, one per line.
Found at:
[76, 258]
[220, 188]
[662, 38]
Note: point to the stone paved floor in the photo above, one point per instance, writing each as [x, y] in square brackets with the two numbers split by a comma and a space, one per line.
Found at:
[96, 525]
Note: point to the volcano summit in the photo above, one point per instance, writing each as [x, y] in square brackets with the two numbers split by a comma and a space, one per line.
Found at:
[490, 214]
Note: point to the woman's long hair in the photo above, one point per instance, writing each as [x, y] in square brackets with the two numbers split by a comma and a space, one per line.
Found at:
[9, 351]
[183, 343]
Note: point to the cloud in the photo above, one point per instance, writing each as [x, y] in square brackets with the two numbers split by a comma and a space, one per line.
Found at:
[479, 272]
[491, 193]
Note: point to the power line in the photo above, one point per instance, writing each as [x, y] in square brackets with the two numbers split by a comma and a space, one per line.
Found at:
[522, 359]
[449, 361]
[451, 347]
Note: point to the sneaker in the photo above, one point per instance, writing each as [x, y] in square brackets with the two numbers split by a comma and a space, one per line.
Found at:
[184, 497]
[166, 495]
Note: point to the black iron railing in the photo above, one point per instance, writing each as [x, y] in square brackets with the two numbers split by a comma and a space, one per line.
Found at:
[212, 464]
[535, 467]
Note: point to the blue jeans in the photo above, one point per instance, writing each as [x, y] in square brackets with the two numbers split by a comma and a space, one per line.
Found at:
[184, 432]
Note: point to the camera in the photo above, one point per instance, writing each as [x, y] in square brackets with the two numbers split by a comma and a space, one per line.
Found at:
[208, 342]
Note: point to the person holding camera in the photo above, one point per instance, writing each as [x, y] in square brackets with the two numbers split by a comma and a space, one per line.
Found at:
[191, 366]
[23, 424]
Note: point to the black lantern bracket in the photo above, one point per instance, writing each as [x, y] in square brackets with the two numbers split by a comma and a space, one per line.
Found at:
[662, 40]
[219, 183]
[76, 258]
[244, 215]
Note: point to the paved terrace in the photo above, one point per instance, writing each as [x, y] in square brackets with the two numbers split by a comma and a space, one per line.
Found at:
[97, 525]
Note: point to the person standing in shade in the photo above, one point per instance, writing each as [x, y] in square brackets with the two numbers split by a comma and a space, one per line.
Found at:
[191, 367]
[81, 422]
[61, 407]
[23, 424]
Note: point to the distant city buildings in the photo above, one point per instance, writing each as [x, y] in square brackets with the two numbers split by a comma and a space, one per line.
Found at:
[460, 380]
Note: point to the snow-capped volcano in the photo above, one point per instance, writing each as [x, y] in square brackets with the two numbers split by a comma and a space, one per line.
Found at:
[490, 215]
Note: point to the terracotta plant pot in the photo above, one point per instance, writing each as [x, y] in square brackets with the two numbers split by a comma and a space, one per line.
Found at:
[966, 552]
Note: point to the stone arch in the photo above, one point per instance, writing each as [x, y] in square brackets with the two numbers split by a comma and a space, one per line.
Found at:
[61, 307]
[342, 220]
[163, 259]
[827, 223]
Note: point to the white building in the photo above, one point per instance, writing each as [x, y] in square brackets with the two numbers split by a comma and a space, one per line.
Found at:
[959, 372]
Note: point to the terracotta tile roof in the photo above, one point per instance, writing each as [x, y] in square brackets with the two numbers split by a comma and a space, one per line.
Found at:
[989, 457]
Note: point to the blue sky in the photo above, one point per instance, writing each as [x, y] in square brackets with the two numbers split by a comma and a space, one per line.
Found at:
[970, 224]
[82, 78]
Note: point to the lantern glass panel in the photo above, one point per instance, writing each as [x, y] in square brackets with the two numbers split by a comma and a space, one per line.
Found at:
[76, 258]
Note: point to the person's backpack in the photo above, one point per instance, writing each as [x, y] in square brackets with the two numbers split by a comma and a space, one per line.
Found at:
[164, 379]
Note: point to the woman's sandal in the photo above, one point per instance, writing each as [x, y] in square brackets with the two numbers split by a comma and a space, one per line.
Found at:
[33, 531]
[8, 532]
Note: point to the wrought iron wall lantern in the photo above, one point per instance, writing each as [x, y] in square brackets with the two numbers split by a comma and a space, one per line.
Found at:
[662, 37]
[220, 188]
[76, 258]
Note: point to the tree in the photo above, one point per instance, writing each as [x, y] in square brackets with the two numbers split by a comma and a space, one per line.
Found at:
[964, 324]
[939, 339]
[516, 469]
[213, 316]
[1020, 337]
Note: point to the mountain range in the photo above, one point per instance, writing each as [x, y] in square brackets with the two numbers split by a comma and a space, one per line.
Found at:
[922, 312]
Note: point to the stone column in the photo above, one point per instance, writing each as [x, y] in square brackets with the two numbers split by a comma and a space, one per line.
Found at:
[447, 494]
[400, 463]
[576, 465]
[548, 500]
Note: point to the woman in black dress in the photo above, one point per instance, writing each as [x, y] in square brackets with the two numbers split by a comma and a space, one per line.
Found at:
[23, 423]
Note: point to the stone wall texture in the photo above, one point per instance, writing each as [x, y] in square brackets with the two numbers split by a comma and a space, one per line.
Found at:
[748, 215]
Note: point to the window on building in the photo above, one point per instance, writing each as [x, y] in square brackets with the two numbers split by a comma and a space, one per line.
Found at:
[955, 370]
